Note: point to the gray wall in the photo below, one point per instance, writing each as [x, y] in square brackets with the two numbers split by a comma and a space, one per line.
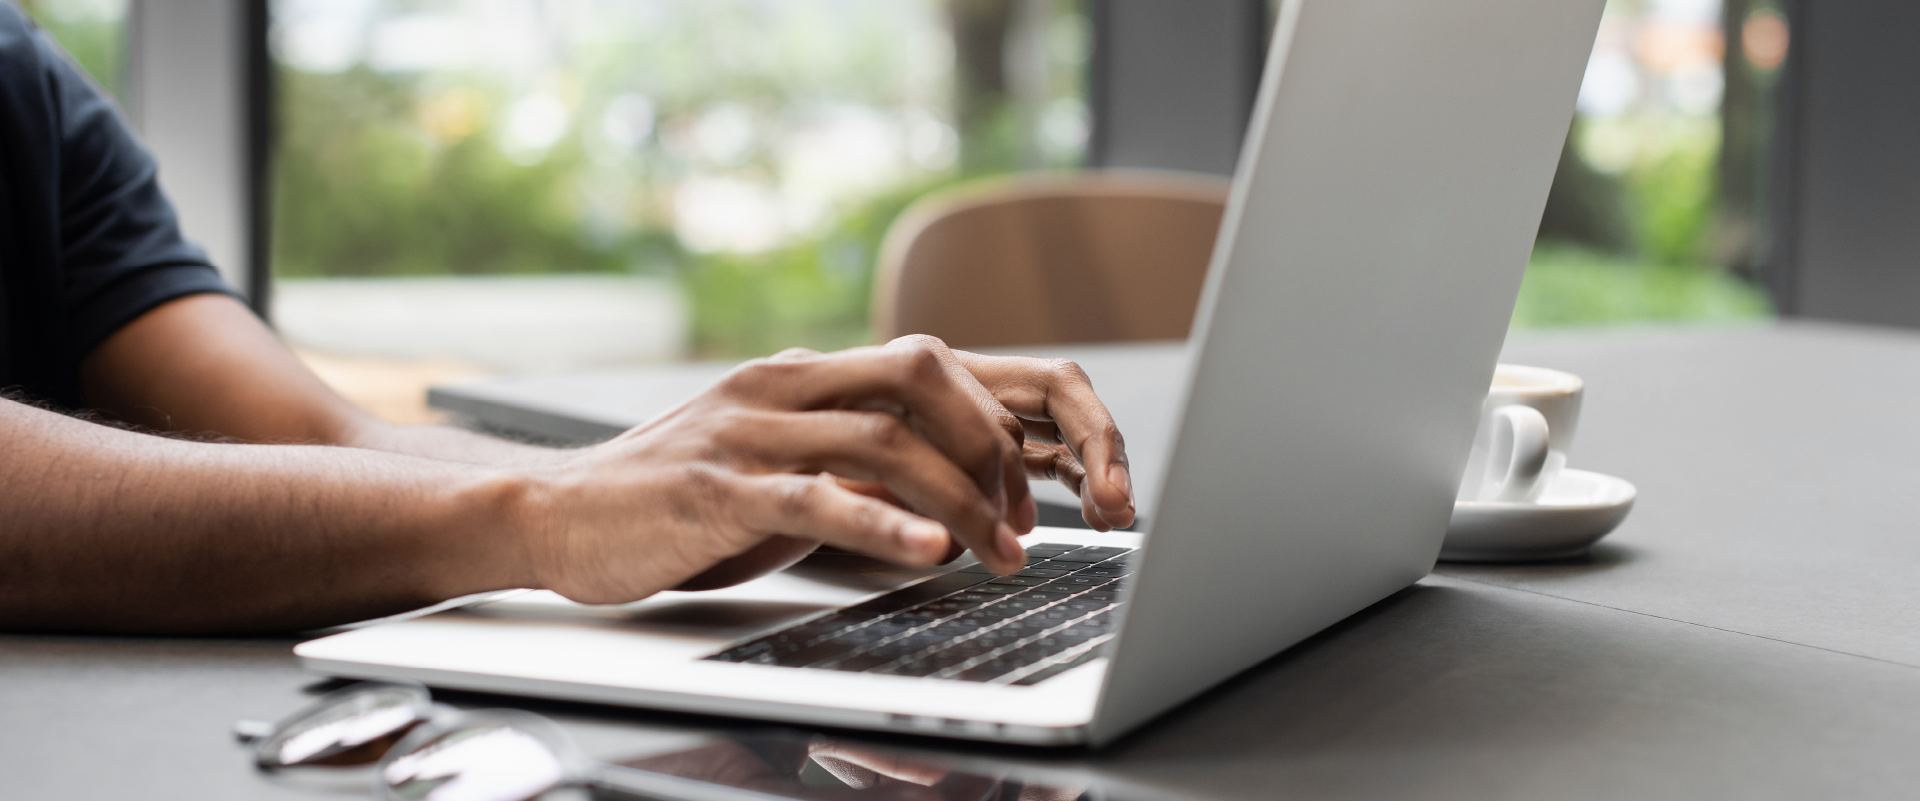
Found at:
[1172, 81]
[187, 96]
[1851, 237]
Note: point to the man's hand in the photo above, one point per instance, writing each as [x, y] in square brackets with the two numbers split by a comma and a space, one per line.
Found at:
[1066, 434]
[887, 451]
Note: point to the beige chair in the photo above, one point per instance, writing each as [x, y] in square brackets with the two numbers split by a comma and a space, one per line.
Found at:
[1100, 256]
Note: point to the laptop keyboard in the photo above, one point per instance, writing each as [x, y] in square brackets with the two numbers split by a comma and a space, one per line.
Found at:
[969, 625]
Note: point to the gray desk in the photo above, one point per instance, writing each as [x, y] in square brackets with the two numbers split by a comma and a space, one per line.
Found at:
[1750, 632]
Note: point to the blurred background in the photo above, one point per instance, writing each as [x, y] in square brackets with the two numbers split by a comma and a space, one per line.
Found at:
[460, 188]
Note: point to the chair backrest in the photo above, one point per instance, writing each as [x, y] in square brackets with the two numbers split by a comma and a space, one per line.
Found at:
[1069, 257]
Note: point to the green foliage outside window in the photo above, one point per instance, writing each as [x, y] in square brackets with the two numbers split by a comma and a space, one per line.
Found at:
[1661, 268]
[92, 31]
[412, 171]
[360, 191]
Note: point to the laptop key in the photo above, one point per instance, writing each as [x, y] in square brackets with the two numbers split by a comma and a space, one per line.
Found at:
[1092, 553]
[860, 663]
[948, 657]
[803, 657]
[1048, 550]
[988, 671]
[1101, 572]
[917, 594]
[918, 667]
[1019, 581]
[954, 629]
[986, 616]
[1034, 572]
[989, 615]
[1074, 635]
[816, 629]
[1001, 637]
[1078, 580]
[1028, 625]
[1057, 668]
[977, 567]
[871, 634]
[1011, 661]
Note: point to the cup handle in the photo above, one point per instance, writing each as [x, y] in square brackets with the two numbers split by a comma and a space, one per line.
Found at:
[1519, 453]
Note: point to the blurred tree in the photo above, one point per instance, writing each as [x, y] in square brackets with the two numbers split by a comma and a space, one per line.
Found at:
[1585, 206]
[1745, 119]
[1672, 198]
[982, 108]
[360, 192]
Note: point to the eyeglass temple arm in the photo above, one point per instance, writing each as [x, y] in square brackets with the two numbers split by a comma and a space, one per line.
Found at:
[248, 732]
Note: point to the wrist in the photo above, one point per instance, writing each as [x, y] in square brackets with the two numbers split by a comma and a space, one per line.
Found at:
[494, 524]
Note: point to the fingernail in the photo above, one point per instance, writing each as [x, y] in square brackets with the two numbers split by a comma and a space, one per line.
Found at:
[1008, 545]
[1122, 478]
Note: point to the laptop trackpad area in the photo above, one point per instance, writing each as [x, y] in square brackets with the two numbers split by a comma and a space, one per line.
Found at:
[693, 624]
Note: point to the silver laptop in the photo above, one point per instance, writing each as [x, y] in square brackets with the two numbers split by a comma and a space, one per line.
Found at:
[1381, 219]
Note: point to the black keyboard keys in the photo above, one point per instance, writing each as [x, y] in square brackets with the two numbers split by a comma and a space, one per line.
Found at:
[1048, 550]
[968, 625]
[1090, 554]
[917, 594]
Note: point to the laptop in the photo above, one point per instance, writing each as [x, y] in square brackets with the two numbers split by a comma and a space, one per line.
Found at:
[1382, 215]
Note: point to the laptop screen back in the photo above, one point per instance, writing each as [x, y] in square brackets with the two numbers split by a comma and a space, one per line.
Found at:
[1384, 209]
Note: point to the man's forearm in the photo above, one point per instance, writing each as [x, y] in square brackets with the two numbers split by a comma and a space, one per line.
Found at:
[204, 364]
[446, 443]
[179, 536]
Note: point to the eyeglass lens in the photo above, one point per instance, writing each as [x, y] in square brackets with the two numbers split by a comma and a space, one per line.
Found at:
[489, 762]
[358, 730]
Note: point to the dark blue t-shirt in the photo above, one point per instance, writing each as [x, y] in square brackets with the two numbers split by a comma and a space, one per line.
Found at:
[87, 240]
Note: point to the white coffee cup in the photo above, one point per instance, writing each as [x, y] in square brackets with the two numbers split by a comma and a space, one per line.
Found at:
[1526, 428]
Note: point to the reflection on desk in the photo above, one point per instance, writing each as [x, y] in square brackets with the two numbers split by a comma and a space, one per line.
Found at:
[811, 767]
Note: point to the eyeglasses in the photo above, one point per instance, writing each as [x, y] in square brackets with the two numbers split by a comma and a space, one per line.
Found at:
[422, 751]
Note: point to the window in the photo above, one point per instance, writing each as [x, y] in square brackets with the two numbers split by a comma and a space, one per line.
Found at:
[1655, 214]
[92, 31]
[472, 186]
[536, 185]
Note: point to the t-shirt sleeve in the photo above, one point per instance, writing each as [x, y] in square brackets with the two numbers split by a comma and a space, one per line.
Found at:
[122, 253]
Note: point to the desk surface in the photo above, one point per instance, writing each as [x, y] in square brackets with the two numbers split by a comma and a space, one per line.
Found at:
[1751, 630]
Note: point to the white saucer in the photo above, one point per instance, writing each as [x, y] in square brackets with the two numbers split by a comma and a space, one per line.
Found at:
[1574, 512]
